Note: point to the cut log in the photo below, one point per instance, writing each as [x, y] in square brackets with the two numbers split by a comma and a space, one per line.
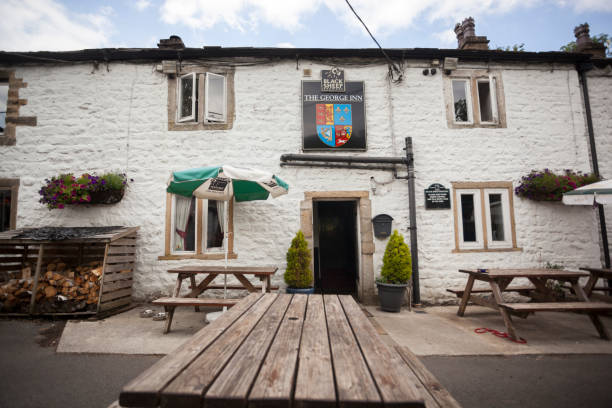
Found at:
[50, 291]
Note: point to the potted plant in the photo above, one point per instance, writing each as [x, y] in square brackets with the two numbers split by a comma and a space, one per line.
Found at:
[298, 275]
[548, 186]
[395, 274]
[66, 189]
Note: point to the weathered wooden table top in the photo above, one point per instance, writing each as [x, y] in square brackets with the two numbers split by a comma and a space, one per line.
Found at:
[229, 270]
[599, 272]
[526, 273]
[280, 350]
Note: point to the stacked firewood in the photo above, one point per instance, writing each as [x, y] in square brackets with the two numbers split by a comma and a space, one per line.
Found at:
[61, 289]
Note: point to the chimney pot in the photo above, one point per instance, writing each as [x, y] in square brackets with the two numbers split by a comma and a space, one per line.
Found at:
[172, 43]
[467, 38]
[469, 28]
[585, 44]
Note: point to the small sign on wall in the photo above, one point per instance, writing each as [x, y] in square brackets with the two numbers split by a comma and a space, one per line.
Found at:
[332, 80]
[437, 197]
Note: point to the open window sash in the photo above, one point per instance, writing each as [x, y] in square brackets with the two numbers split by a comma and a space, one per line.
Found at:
[187, 98]
[215, 101]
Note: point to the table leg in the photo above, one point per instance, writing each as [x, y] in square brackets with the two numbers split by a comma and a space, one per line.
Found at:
[178, 284]
[601, 329]
[245, 282]
[193, 285]
[588, 289]
[169, 315]
[507, 318]
[466, 295]
[195, 292]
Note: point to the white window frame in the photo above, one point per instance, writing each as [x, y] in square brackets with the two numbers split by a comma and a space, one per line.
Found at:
[507, 242]
[477, 218]
[212, 116]
[5, 83]
[468, 100]
[492, 96]
[173, 251]
[179, 100]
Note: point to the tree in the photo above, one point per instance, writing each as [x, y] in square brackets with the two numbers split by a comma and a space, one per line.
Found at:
[516, 48]
[298, 273]
[397, 263]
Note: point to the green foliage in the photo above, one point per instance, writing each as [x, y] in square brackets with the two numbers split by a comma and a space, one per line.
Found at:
[548, 186]
[397, 264]
[298, 273]
[550, 265]
[516, 48]
[604, 39]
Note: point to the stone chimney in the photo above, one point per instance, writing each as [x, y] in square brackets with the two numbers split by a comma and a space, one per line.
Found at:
[172, 43]
[467, 38]
[585, 44]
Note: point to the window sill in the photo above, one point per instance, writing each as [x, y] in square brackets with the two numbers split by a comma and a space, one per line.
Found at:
[215, 256]
[458, 251]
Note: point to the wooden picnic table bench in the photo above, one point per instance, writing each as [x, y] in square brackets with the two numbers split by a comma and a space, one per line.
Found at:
[209, 274]
[499, 279]
[595, 275]
[249, 357]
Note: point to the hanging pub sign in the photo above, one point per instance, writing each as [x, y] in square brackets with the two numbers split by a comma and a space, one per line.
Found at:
[437, 197]
[333, 120]
[332, 80]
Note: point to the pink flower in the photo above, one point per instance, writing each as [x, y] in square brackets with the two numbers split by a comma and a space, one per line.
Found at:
[60, 206]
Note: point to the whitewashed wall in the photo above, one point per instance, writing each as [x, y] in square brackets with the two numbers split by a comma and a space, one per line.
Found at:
[600, 87]
[94, 120]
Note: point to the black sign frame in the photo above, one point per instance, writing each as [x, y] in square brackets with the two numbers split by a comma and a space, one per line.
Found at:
[437, 197]
[354, 95]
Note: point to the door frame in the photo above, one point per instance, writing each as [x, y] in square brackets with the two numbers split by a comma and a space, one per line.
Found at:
[365, 241]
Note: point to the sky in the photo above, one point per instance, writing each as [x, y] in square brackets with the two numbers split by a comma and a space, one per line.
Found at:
[57, 25]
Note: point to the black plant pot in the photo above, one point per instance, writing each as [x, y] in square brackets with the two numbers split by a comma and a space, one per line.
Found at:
[304, 291]
[106, 196]
[391, 296]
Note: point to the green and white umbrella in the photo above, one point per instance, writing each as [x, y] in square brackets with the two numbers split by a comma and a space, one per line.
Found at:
[224, 183]
[591, 194]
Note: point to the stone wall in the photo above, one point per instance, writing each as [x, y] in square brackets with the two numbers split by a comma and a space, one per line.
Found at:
[97, 120]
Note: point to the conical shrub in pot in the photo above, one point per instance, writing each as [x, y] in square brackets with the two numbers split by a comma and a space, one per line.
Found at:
[298, 274]
[395, 274]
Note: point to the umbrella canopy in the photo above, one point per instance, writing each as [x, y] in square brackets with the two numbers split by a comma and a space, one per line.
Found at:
[596, 193]
[225, 182]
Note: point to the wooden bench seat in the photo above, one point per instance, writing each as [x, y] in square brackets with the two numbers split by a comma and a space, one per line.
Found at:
[236, 287]
[520, 289]
[170, 303]
[593, 307]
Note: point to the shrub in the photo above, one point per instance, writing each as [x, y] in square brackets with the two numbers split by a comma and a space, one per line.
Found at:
[397, 264]
[548, 186]
[67, 189]
[298, 273]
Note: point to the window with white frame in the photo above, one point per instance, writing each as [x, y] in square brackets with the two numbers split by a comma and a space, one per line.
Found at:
[474, 99]
[201, 100]
[484, 216]
[195, 228]
[4, 88]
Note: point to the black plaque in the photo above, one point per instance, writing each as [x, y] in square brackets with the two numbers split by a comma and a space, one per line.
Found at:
[333, 121]
[332, 80]
[437, 197]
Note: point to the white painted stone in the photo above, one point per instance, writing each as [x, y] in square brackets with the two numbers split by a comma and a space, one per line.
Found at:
[98, 121]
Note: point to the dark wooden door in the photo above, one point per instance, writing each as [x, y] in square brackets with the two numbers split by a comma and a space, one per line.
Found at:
[337, 249]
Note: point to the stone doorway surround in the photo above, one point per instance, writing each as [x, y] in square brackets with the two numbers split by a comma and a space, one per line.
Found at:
[365, 288]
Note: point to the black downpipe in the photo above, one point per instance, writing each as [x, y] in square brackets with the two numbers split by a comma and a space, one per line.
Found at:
[582, 68]
[414, 249]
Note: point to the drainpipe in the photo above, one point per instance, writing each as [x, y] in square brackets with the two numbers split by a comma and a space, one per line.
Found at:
[582, 69]
[416, 291]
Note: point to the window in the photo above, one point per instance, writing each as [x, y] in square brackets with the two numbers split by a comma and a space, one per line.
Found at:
[8, 203]
[194, 228]
[484, 216]
[201, 100]
[4, 87]
[474, 99]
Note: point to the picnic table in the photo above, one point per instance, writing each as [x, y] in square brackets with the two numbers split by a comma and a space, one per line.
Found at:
[209, 273]
[500, 279]
[596, 274]
[249, 356]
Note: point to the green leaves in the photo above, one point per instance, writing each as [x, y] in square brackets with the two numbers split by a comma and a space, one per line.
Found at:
[397, 263]
[298, 273]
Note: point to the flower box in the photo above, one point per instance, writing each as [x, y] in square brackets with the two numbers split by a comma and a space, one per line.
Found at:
[548, 186]
[66, 189]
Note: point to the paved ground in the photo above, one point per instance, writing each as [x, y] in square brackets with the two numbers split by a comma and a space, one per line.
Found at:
[439, 331]
[34, 375]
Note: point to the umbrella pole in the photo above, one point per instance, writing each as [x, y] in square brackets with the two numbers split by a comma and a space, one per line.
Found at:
[225, 249]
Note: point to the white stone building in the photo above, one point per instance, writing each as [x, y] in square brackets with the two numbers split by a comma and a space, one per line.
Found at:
[116, 109]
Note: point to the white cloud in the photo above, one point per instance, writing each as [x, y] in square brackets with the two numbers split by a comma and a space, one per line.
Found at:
[34, 25]
[142, 5]
[381, 17]
[446, 38]
[285, 45]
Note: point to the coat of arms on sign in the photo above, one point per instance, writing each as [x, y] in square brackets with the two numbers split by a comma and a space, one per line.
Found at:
[332, 80]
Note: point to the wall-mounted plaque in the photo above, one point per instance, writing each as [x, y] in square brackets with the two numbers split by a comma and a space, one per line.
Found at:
[437, 197]
[333, 121]
[332, 80]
